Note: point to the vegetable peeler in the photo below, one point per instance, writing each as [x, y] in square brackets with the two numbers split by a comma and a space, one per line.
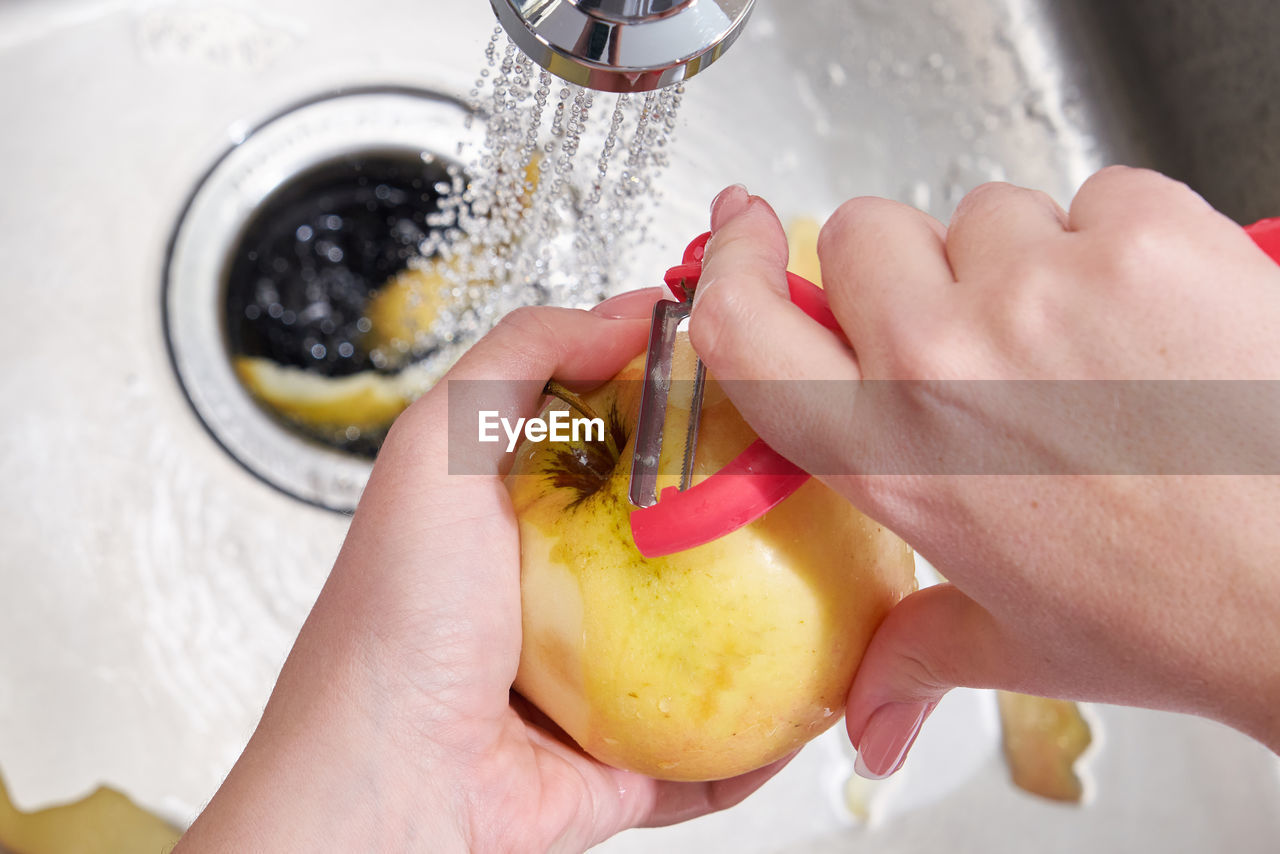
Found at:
[689, 516]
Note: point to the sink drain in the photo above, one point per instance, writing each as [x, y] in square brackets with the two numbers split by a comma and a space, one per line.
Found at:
[273, 267]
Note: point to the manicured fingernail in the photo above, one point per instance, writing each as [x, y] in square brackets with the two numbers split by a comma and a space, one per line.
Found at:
[629, 305]
[889, 734]
[730, 202]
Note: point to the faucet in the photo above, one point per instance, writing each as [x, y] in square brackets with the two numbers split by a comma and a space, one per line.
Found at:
[623, 45]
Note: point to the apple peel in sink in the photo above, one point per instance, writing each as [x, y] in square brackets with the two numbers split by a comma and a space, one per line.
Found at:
[704, 664]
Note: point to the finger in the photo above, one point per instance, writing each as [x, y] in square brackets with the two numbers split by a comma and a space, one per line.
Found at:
[505, 372]
[997, 222]
[629, 305]
[730, 202]
[885, 269]
[619, 800]
[1120, 197]
[932, 641]
[624, 799]
[411, 495]
[676, 802]
[756, 342]
[443, 547]
[1150, 218]
[743, 300]
[571, 345]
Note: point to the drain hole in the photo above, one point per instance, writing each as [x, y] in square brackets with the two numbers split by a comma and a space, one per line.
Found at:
[298, 305]
[321, 301]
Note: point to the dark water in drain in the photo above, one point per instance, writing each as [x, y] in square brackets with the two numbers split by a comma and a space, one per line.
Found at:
[302, 272]
[303, 268]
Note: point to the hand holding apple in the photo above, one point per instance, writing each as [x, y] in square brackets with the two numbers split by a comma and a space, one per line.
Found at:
[393, 725]
[704, 664]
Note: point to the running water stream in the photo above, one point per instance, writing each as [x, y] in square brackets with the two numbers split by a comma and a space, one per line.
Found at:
[551, 205]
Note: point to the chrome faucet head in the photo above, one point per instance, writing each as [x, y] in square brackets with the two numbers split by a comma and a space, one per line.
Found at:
[623, 45]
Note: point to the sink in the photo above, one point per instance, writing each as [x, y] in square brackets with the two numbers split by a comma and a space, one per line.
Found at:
[152, 585]
[1202, 81]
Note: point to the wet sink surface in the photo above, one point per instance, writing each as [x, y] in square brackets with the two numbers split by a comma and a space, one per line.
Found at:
[152, 586]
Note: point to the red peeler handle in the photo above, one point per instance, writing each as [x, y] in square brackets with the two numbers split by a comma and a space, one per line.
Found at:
[1266, 233]
[727, 500]
[754, 482]
[804, 293]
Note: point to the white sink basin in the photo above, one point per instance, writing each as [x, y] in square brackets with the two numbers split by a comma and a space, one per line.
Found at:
[150, 586]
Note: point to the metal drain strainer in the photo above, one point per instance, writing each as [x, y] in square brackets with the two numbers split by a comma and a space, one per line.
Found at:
[335, 125]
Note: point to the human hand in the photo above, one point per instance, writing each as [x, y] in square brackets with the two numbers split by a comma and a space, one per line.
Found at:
[1134, 587]
[393, 726]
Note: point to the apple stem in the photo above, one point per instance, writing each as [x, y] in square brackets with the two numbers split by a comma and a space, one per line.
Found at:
[575, 401]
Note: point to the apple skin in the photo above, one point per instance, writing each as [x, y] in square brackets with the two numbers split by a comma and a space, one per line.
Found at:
[704, 664]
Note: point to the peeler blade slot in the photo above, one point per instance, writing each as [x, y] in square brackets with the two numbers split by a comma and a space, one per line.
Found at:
[691, 436]
[667, 317]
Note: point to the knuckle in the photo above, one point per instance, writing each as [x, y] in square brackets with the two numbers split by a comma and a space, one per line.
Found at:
[921, 660]
[1127, 183]
[982, 198]
[925, 349]
[525, 336]
[922, 674]
[1118, 181]
[858, 230]
[1115, 172]
[1132, 254]
[1044, 200]
[523, 322]
[1027, 274]
[1026, 306]
[853, 219]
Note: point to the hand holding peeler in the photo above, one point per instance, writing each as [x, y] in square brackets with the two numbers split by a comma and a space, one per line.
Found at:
[689, 516]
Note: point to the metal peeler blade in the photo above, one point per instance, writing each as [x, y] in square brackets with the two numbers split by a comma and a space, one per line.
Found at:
[745, 488]
[669, 318]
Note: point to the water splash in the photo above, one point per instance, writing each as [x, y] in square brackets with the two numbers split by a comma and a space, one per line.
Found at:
[553, 203]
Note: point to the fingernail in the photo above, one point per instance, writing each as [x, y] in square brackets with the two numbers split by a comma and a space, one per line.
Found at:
[888, 736]
[730, 202]
[629, 305]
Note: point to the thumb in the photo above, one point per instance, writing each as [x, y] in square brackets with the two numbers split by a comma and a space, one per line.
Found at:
[933, 640]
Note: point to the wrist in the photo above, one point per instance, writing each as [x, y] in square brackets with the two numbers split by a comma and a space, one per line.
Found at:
[327, 769]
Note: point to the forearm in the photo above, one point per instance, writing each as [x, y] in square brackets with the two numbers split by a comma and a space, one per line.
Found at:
[324, 771]
[281, 803]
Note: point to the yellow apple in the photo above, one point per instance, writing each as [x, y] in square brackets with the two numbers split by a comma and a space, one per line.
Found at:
[704, 664]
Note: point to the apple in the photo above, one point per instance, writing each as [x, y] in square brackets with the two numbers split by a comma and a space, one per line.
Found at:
[703, 664]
